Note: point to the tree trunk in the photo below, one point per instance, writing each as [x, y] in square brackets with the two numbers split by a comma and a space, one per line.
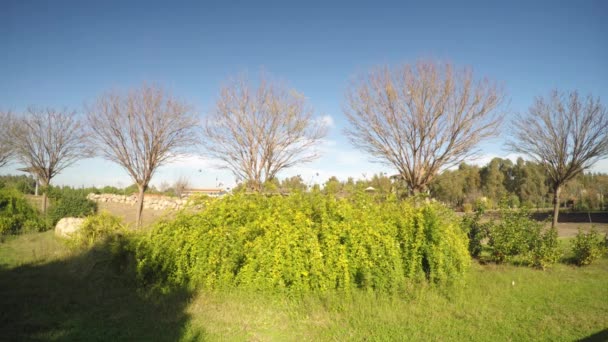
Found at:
[45, 199]
[140, 205]
[556, 191]
[44, 202]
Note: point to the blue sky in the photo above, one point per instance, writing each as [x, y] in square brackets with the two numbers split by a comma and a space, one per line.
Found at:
[64, 54]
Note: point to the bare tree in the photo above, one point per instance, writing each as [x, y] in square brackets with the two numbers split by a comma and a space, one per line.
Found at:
[164, 186]
[566, 134]
[258, 131]
[6, 149]
[46, 141]
[141, 130]
[421, 118]
[181, 185]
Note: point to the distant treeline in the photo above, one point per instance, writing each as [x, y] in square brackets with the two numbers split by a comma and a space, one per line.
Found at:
[523, 183]
[27, 185]
[520, 183]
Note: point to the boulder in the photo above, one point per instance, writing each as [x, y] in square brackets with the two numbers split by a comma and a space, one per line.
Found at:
[68, 226]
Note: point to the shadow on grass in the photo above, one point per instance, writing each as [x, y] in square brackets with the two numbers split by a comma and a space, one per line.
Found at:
[599, 336]
[88, 297]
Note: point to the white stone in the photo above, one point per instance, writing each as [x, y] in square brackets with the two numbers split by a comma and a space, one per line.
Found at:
[68, 226]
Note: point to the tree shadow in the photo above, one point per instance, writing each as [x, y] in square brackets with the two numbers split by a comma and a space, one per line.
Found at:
[599, 336]
[92, 296]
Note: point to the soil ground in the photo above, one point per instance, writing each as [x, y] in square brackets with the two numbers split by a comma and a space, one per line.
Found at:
[127, 213]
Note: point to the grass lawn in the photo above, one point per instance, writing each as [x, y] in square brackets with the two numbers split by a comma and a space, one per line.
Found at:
[50, 293]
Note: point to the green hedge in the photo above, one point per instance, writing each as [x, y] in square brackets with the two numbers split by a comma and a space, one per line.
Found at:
[69, 202]
[516, 237]
[306, 243]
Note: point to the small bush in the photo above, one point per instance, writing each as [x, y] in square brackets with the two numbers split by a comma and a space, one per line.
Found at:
[587, 247]
[544, 249]
[70, 203]
[95, 229]
[476, 232]
[17, 215]
[517, 237]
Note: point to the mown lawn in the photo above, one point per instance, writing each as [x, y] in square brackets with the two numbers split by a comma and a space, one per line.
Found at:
[50, 293]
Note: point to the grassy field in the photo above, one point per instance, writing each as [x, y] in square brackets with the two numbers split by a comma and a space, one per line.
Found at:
[50, 293]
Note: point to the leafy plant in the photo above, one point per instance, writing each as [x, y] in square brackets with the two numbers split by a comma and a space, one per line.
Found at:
[17, 215]
[544, 250]
[475, 230]
[95, 229]
[587, 247]
[517, 237]
[24, 184]
[69, 203]
[305, 243]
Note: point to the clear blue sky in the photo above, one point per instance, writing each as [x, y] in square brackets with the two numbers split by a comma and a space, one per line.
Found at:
[64, 54]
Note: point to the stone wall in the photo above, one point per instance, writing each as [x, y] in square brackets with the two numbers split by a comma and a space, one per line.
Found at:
[155, 202]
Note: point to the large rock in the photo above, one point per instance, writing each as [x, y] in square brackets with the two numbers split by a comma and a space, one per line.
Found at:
[68, 226]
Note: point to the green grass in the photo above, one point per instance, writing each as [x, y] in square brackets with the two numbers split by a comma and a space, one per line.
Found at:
[562, 304]
[49, 293]
[30, 248]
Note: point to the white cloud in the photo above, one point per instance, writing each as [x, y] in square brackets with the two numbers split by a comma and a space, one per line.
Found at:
[326, 120]
[193, 160]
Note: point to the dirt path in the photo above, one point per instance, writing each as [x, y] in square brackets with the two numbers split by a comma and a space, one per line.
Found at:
[568, 229]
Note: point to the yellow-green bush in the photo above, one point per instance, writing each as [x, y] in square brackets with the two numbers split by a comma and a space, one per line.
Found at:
[305, 243]
[95, 229]
[587, 247]
[517, 237]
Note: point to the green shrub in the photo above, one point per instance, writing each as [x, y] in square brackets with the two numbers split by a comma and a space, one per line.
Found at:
[517, 237]
[305, 243]
[476, 232]
[587, 247]
[17, 215]
[96, 229]
[24, 184]
[69, 203]
[544, 249]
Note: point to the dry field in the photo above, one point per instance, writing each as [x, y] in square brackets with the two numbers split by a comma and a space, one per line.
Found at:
[127, 213]
[569, 229]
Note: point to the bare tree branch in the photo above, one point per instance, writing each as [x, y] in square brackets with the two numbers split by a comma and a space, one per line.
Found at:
[421, 118]
[565, 133]
[6, 148]
[141, 130]
[181, 185]
[258, 131]
[46, 141]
